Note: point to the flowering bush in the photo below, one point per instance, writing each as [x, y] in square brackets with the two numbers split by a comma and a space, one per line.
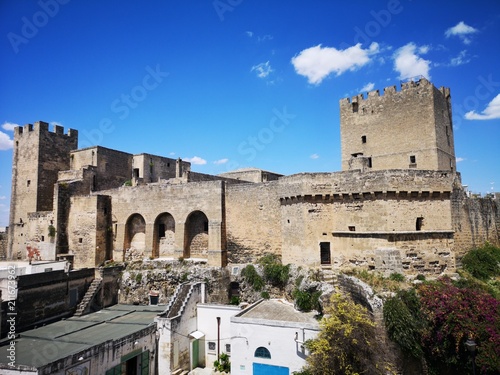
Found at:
[453, 314]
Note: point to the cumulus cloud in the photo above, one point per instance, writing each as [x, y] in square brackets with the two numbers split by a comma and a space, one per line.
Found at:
[408, 63]
[196, 160]
[5, 142]
[492, 111]
[9, 126]
[262, 70]
[2, 197]
[221, 161]
[368, 87]
[314, 156]
[317, 63]
[458, 159]
[462, 30]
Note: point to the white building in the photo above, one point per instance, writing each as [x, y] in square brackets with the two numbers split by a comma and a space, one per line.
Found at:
[267, 338]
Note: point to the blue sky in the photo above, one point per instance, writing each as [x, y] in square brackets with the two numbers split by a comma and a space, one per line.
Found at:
[229, 84]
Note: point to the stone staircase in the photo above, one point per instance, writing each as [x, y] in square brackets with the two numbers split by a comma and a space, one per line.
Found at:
[329, 275]
[179, 300]
[84, 306]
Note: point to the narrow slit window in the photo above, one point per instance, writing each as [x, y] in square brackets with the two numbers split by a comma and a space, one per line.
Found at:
[419, 223]
[413, 159]
[355, 107]
[363, 139]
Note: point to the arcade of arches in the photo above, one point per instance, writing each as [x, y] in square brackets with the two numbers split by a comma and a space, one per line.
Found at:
[168, 238]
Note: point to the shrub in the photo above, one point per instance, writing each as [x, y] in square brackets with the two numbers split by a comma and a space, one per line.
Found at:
[346, 343]
[52, 231]
[307, 300]
[483, 262]
[138, 278]
[402, 322]
[454, 313]
[265, 295]
[223, 364]
[397, 277]
[234, 300]
[274, 272]
[252, 277]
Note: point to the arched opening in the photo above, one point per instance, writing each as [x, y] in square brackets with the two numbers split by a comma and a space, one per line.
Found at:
[135, 237]
[196, 236]
[164, 236]
[262, 352]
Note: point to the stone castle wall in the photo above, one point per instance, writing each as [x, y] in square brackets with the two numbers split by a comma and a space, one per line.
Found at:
[406, 129]
[253, 221]
[38, 156]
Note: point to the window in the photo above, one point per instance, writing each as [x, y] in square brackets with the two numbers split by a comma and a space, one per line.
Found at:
[43, 238]
[262, 352]
[363, 139]
[228, 348]
[352, 228]
[205, 226]
[28, 183]
[80, 240]
[413, 159]
[354, 107]
[211, 345]
[419, 223]
[369, 162]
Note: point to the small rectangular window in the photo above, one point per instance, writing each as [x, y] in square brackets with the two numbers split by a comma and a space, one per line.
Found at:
[355, 107]
[369, 162]
[352, 228]
[228, 348]
[28, 183]
[413, 159]
[43, 238]
[80, 240]
[363, 139]
[211, 345]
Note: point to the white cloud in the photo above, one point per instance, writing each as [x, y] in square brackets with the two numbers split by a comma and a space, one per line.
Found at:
[9, 126]
[492, 111]
[262, 69]
[461, 30]
[221, 161]
[56, 123]
[461, 59]
[264, 38]
[171, 153]
[196, 160]
[460, 159]
[5, 142]
[409, 64]
[368, 87]
[249, 33]
[317, 63]
[314, 156]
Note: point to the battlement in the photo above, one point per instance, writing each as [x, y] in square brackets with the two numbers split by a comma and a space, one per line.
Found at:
[43, 127]
[407, 87]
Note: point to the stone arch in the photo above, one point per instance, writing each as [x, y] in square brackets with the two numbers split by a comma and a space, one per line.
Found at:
[135, 237]
[164, 236]
[196, 235]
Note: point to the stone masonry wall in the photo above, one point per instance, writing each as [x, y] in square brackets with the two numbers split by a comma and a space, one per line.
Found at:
[253, 221]
[390, 128]
[475, 221]
[38, 156]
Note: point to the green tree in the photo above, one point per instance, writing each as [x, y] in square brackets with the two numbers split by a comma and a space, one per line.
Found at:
[346, 343]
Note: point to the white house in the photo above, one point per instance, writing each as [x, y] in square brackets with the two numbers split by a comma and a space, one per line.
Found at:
[267, 338]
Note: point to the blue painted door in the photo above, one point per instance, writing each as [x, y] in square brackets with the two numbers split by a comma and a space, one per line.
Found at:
[260, 369]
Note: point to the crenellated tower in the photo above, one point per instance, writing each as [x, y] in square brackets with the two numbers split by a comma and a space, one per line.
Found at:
[38, 156]
[410, 128]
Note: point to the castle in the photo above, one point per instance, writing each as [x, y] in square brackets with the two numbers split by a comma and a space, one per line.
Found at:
[398, 203]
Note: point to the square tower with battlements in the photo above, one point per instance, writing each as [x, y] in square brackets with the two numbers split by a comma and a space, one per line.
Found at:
[410, 128]
[38, 156]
